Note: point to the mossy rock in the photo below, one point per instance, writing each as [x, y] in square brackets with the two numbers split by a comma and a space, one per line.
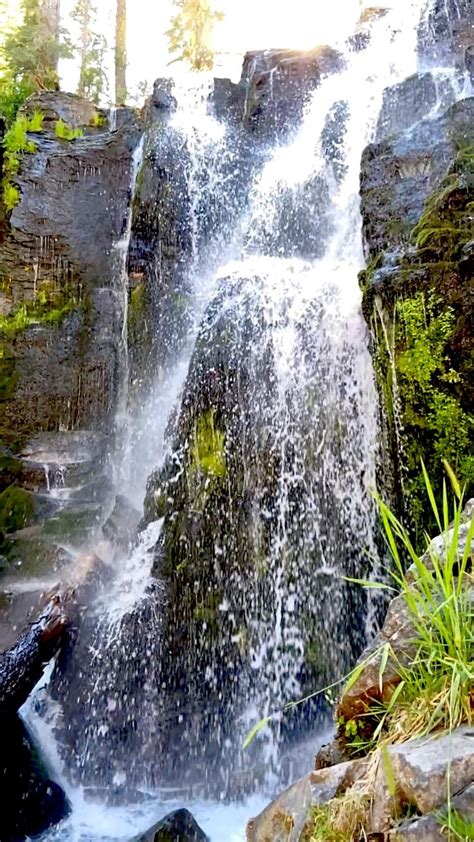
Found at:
[17, 509]
[208, 449]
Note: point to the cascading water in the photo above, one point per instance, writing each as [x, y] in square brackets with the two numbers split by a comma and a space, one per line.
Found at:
[264, 480]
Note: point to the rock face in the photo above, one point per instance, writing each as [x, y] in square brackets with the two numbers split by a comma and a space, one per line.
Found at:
[61, 301]
[417, 188]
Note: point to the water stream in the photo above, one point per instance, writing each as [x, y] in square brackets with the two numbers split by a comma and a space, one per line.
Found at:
[278, 279]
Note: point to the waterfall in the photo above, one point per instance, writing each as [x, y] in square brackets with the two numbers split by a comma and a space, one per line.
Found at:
[264, 475]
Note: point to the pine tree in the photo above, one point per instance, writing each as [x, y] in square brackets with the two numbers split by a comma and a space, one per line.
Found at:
[121, 52]
[92, 47]
[32, 49]
[29, 54]
[191, 31]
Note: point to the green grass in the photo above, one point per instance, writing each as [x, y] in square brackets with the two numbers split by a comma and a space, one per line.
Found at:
[436, 690]
[456, 826]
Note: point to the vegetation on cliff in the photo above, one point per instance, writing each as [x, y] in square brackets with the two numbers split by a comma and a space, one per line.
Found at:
[422, 340]
[430, 688]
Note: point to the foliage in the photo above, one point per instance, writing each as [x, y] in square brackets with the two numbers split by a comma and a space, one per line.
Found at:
[436, 689]
[190, 33]
[15, 143]
[435, 425]
[65, 132]
[32, 49]
[13, 93]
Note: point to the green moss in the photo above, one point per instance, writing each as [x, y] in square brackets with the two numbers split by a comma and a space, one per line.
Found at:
[17, 509]
[99, 121]
[8, 372]
[136, 310]
[208, 448]
[446, 224]
[436, 427]
[34, 312]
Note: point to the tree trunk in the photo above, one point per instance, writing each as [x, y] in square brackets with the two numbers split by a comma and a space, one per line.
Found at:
[86, 16]
[22, 666]
[121, 53]
[50, 14]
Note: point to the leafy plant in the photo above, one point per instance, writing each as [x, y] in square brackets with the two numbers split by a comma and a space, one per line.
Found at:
[65, 132]
[15, 143]
[190, 33]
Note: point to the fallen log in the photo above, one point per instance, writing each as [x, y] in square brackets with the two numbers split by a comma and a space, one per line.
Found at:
[22, 666]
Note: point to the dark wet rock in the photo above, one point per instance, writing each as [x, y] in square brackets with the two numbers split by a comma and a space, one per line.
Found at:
[445, 32]
[166, 242]
[179, 826]
[417, 188]
[406, 104]
[58, 267]
[75, 111]
[361, 39]
[31, 801]
[160, 252]
[228, 100]
[161, 103]
[469, 62]
[121, 526]
[280, 82]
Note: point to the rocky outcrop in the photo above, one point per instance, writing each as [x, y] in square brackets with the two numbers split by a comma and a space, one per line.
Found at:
[401, 790]
[279, 83]
[417, 189]
[423, 771]
[179, 826]
[60, 299]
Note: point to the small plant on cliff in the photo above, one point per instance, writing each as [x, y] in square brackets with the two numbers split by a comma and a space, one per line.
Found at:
[15, 143]
[65, 132]
[436, 688]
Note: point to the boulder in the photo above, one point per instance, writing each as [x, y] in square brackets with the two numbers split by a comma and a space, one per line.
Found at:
[31, 801]
[424, 772]
[288, 818]
[430, 828]
[179, 826]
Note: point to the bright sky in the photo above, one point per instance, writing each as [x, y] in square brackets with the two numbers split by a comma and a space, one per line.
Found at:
[247, 25]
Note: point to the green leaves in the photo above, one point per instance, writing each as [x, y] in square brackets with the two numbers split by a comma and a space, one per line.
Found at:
[190, 33]
[256, 730]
